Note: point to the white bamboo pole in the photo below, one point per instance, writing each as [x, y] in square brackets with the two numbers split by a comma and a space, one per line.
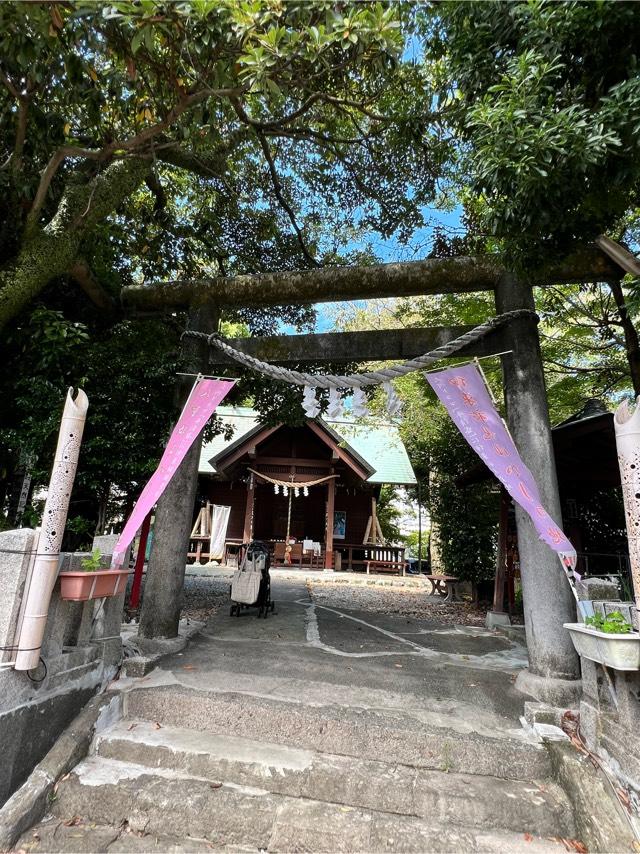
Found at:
[45, 569]
[627, 426]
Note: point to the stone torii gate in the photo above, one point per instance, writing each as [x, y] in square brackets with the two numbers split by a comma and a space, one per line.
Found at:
[553, 674]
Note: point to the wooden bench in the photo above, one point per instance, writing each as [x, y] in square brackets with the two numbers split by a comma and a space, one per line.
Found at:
[444, 585]
[387, 566]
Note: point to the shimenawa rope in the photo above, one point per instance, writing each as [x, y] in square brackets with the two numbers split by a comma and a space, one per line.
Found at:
[366, 378]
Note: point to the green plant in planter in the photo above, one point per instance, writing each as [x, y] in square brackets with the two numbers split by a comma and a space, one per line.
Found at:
[92, 563]
[613, 624]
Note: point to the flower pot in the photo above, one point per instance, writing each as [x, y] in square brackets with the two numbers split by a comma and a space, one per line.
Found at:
[620, 652]
[80, 586]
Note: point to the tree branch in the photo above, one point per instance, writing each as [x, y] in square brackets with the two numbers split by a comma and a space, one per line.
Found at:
[83, 275]
[21, 134]
[277, 188]
[155, 185]
[21, 127]
[276, 123]
[207, 165]
[48, 175]
[10, 85]
[114, 148]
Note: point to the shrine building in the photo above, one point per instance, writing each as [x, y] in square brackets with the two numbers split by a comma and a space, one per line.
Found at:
[313, 488]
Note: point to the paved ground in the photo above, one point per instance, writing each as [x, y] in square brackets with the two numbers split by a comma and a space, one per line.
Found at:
[206, 589]
[309, 650]
[320, 728]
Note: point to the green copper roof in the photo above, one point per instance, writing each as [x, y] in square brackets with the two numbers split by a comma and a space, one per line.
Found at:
[377, 442]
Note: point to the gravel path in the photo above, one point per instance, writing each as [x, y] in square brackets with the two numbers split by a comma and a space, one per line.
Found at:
[204, 597]
[397, 600]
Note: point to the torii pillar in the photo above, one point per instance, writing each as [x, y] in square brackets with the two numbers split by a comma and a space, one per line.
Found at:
[162, 601]
[553, 675]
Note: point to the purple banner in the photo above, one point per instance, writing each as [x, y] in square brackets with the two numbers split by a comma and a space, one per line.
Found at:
[204, 399]
[466, 397]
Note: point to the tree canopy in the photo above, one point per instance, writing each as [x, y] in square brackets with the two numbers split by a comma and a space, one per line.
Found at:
[199, 129]
[546, 99]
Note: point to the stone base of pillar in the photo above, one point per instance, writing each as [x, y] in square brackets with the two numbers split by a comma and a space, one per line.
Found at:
[328, 569]
[497, 618]
[547, 689]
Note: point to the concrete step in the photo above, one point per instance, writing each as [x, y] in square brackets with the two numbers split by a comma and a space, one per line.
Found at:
[167, 804]
[53, 836]
[457, 799]
[390, 736]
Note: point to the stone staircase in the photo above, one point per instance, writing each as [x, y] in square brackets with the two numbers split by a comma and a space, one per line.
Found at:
[201, 770]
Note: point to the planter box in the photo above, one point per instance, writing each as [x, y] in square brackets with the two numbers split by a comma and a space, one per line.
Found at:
[621, 652]
[80, 586]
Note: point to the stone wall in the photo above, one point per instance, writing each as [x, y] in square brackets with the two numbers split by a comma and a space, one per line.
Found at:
[610, 703]
[82, 651]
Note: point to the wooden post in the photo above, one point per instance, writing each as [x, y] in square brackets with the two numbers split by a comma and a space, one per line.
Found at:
[248, 512]
[331, 497]
[373, 537]
[501, 559]
[554, 668]
[134, 599]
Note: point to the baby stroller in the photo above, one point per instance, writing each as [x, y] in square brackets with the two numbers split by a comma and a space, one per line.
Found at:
[251, 585]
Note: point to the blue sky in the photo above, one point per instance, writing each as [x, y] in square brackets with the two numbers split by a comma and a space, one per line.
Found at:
[390, 250]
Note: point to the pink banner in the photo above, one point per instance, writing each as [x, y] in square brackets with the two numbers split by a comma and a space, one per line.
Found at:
[204, 399]
[467, 400]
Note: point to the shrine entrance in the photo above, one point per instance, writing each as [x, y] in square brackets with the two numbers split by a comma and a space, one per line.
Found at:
[548, 601]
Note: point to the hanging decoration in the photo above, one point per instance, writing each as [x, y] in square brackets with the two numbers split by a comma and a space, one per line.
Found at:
[359, 404]
[205, 396]
[334, 407]
[394, 404]
[291, 488]
[310, 402]
[292, 485]
[467, 399]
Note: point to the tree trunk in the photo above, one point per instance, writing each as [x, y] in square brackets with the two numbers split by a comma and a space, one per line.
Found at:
[630, 335]
[547, 597]
[162, 601]
[52, 251]
[101, 524]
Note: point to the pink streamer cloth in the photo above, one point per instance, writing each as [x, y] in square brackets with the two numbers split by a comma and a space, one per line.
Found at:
[465, 395]
[202, 403]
